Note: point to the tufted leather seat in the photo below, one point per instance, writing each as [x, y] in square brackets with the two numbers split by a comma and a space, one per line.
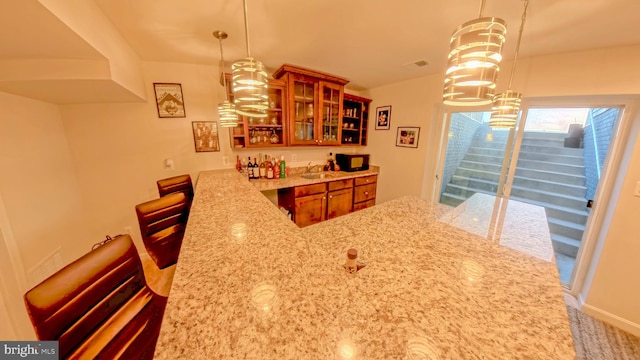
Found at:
[162, 223]
[99, 306]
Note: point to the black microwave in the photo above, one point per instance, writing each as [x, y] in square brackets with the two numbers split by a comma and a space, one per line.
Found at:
[353, 162]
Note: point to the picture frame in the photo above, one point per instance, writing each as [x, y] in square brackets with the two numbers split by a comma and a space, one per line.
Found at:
[205, 136]
[169, 100]
[408, 136]
[383, 117]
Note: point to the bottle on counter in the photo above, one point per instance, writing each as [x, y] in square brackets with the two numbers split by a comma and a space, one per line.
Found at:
[352, 261]
[256, 169]
[250, 169]
[238, 164]
[331, 163]
[269, 167]
[263, 169]
[283, 169]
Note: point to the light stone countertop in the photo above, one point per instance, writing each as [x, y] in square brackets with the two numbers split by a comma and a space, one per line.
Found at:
[428, 290]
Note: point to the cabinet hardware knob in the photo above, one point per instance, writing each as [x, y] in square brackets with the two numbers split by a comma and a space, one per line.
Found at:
[366, 193]
[330, 196]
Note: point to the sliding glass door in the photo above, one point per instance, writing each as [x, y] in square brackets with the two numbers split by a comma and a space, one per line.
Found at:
[531, 185]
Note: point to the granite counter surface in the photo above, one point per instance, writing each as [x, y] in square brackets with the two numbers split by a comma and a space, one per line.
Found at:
[428, 290]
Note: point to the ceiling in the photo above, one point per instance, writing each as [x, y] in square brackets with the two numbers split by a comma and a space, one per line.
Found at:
[68, 52]
[369, 42]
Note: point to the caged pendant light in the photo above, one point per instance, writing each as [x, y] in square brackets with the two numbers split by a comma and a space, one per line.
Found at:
[473, 61]
[250, 82]
[226, 110]
[506, 105]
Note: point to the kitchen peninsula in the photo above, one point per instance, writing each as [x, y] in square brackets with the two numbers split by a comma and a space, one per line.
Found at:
[250, 284]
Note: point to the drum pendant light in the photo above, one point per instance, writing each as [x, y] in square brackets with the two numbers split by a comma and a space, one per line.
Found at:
[226, 110]
[250, 82]
[506, 105]
[474, 61]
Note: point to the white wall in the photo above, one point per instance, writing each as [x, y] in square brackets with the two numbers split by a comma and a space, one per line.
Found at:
[613, 293]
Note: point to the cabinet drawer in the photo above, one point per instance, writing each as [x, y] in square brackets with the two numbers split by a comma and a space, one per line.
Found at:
[364, 204]
[364, 192]
[366, 180]
[310, 189]
[340, 184]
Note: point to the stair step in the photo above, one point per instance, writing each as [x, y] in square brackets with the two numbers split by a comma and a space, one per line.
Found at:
[550, 166]
[577, 216]
[567, 179]
[550, 186]
[557, 158]
[560, 199]
[564, 245]
[451, 199]
[565, 228]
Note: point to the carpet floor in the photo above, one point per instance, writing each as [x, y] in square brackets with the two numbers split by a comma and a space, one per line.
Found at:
[597, 340]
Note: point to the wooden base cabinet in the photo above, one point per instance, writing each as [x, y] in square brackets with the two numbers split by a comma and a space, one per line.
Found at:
[364, 192]
[310, 204]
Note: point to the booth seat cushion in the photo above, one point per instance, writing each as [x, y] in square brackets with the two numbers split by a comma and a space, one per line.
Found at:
[99, 306]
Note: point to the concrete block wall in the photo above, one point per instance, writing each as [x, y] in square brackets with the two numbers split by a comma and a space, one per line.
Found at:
[461, 133]
[597, 136]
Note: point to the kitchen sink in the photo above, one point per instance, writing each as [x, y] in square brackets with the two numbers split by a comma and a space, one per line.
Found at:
[316, 175]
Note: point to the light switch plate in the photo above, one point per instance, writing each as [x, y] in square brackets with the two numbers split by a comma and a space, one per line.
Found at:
[636, 192]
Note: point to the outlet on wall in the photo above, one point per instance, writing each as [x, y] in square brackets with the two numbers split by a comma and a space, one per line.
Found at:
[225, 160]
[168, 164]
[294, 157]
[127, 230]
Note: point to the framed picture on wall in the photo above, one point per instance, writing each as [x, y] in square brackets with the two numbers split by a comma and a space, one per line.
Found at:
[408, 136]
[169, 100]
[205, 136]
[383, 117]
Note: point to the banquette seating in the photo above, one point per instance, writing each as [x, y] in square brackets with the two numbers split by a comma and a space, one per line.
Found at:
[162, 223]
[99, 306]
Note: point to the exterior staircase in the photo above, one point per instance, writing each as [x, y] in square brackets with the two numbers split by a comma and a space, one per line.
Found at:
[547, 175]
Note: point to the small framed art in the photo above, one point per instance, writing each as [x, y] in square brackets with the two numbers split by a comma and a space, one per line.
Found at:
[383, 117]
[169, 100]
[205, 136]
[407, 136]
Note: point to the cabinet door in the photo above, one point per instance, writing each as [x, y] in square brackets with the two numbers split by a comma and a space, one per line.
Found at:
[330, 124]
[302, 109]
[339, 202]
[310, 209]
[364, 193]
[364, 204]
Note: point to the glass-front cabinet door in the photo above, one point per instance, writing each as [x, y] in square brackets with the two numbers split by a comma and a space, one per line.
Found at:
[331, 97]
[304, 112]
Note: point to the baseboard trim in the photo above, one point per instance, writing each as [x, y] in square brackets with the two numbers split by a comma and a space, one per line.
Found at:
[620, 323]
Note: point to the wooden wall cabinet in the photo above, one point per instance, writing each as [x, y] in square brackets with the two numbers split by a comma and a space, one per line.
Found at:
[364, 192]
[265, 132]
[355, 120]
[310, 204]
[315, 103]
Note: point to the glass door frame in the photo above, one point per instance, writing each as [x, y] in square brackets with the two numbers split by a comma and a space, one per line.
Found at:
[591, 242]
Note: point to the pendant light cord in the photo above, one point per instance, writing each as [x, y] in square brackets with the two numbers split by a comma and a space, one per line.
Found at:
[224, 78]
[481, 8]
[246, 28]
[515, 56]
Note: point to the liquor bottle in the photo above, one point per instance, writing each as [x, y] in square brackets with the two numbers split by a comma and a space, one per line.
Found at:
[283, 169]
[250, 169]
[238, 164]
[269, 167]
[256, 169]
[263, 169]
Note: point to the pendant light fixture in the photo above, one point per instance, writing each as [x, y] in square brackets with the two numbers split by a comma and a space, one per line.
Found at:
[506, 105]
[226, 110]
[250, 82]
[473, 61]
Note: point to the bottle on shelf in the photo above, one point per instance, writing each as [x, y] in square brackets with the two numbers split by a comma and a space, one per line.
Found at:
[250, 169]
